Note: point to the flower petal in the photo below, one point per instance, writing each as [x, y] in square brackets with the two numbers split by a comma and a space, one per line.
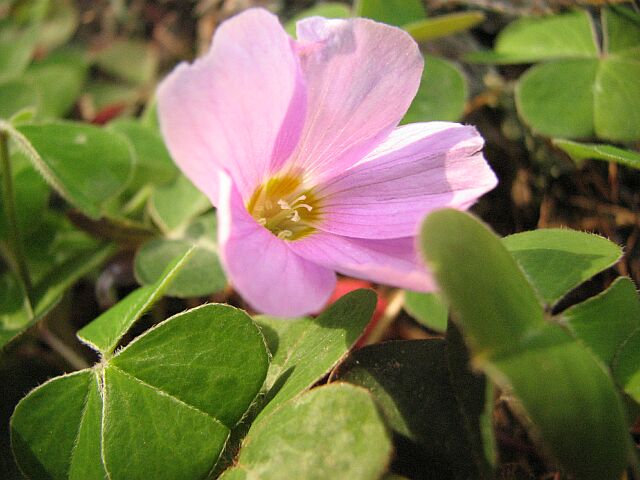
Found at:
[389, 262]
[240, 107]
[361, 77]
[262, 268]
[420, 167]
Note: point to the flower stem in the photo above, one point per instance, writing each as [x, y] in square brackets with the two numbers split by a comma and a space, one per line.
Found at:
[8, 200]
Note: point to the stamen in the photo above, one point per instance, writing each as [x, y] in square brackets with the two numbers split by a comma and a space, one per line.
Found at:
[284, 234]
[262, 221]
[284, 205]
[295, 217]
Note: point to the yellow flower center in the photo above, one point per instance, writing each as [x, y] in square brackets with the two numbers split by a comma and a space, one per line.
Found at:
[284, 207]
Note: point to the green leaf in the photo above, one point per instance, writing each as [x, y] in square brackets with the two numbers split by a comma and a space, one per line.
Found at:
[304, 350]
[557, 98]
[393, 12]
[605, 321]
[582, 98]
[442, 93]
[59, 79]
[326, 10]
[104, 333]
[558, 260]
[87, 165]
[59, 24]
[570, 400]
[412, 383]
[49, 289]
[582, 151]
[617, 99]
[16, 95]
[201, 275]
[333, 431]
[16, 50]
[626, 367]
[185, 396]
[428, 309]
[131, 60]
[153, 163]
[621, 28]
[175, 205]
[431, 28]
[530, 39]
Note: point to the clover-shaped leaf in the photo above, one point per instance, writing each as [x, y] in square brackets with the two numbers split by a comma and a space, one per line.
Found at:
[186, 382]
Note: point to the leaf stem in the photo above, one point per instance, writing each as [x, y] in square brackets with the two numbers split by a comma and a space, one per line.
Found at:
[8, 200]
[57, 345]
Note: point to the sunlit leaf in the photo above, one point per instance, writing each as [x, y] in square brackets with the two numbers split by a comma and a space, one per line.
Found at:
[608, 153]
[558, 260]
[333, 431]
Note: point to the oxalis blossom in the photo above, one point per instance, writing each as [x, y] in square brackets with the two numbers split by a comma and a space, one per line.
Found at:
[297, 145]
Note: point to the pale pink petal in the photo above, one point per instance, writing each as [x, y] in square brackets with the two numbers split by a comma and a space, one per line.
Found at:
[361, 77]
[390, 262]
[240, 107]
[419, 168]
[269, 276]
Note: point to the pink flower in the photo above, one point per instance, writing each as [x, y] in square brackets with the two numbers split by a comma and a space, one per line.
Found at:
[296, 143]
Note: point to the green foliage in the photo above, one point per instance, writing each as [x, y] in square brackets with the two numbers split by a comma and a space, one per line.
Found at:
[504, 326]
[310, 447]
[441, 95]
[304, 350]
[428, 309]
[65, 154]
[170, 380]
[556, 261]
[581, 91]
[393, 12]
[202, 273]
[582, 151]
[104, 333]
[133, 61]
[15, 313]
[430, 399]
[432, 28]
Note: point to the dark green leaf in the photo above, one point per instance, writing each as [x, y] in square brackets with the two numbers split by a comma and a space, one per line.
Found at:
[16, 95]
[48, 290]
[186, 381]
[411, 381]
